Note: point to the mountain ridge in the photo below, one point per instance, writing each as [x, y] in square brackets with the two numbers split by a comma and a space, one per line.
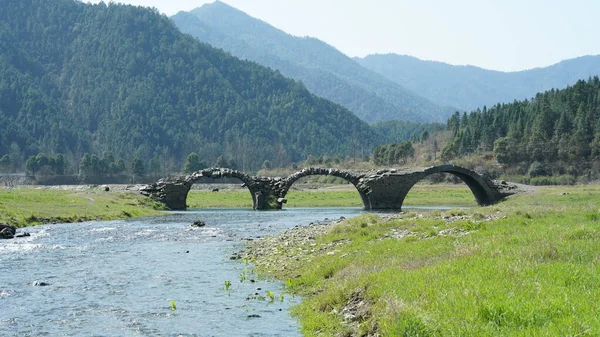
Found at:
[322, 68]
[77, 78]
[470, 87]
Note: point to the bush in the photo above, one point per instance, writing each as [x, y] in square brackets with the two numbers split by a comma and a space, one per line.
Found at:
[559, 180]
[537, 169]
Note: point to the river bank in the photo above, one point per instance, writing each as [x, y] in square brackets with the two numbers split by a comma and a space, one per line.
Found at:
[33, 205]
[526, 266]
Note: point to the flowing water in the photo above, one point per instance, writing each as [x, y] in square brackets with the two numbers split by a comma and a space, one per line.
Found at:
[118, 278]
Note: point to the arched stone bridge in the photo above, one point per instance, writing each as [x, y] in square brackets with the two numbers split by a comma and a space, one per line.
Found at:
[378, 189]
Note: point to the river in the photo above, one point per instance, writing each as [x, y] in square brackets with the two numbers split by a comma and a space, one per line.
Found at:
[120, 278]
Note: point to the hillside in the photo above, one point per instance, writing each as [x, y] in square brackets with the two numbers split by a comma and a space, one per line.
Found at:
[78, 78]
[556, 133]
[324, 70]
[469, 87]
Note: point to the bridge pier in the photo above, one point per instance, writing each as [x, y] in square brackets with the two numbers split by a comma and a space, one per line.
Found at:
[387, 193]
[379, 190]
[171, 193]
[387, 190]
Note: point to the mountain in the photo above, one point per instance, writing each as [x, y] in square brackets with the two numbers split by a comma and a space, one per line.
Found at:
[324, 70]
[469, 87]
[77, 78]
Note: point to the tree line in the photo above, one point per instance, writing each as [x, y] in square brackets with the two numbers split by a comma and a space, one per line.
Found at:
[554, 133]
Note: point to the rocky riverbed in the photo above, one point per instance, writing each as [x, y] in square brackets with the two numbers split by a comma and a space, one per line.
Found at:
[282, 255]
[274, 254]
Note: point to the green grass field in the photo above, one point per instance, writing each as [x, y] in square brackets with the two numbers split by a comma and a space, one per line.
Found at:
[336, 196]
[529, 266]
[29, 206]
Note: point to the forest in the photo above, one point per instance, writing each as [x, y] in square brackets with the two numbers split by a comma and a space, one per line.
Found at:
[117, 90]
[556, 133]
[79, 79]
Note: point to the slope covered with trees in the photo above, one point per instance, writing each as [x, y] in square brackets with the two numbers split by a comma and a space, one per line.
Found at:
[77, 78]
[555, 133]
[323, 69]
[469, 87]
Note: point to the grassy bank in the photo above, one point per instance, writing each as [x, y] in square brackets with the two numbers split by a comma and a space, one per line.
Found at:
[336, 196]
[529, 266]
[27, 206]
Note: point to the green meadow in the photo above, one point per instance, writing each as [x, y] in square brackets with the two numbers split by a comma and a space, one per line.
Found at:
[336, 196]
[28, 206]
[528, 266]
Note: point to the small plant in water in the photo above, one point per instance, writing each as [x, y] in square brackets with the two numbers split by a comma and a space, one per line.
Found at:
[227, 285]
[270, 295]
[173, 305]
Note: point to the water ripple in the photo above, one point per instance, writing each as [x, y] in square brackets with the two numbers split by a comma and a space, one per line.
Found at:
[118, 278]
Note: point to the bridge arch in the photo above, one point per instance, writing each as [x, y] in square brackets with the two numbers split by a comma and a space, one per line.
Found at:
[218, 173]
[380, 189]
[483, 189]
[354, 179]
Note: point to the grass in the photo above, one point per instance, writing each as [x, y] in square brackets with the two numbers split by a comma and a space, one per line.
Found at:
[222, 199]
[529, 266]
[27, 206]
[343, 195]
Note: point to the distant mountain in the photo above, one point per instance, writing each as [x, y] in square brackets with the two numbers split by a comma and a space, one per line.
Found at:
[324, 70]
[469, 87]
[77, 78]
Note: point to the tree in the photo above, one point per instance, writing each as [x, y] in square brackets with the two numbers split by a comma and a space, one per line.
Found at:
[424, 136]
[193, 163]
[232, 164]
[5, 164]
[266, 165]
[221, 162]
[154, 166]
[58, 164]
[311, 160]
[89, 167]
[119, 166]
[107, 162]
[31, 166]
[137, 167]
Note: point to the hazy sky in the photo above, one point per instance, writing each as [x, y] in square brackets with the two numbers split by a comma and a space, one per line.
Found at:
[502, 35]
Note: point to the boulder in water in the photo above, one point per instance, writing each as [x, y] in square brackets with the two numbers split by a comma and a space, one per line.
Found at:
[198, 223]
[7, 231]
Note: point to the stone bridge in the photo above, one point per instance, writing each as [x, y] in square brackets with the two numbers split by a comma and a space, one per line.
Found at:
[378, 189]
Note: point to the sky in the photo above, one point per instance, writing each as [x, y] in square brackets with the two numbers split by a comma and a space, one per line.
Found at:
[505, 35]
